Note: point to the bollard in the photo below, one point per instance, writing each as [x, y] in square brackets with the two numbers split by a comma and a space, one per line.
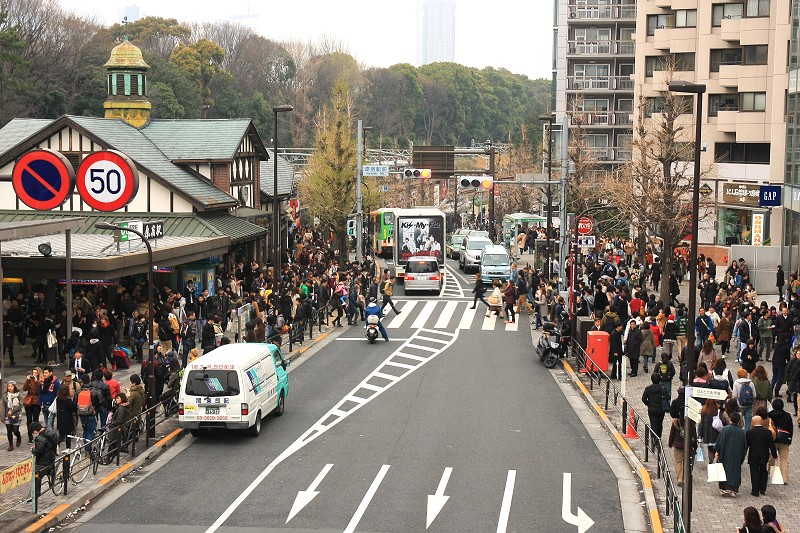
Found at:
[66, 473]
[119, 443]
[608, 387]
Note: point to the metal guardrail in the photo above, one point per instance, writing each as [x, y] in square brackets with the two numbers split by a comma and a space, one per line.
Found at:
[652, 442]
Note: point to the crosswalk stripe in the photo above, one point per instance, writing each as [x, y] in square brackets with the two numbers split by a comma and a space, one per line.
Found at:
[466, 318]
[488, 322]
[421, 338]
[512, 327]
[405, 311]
[414, 357]
[385, 376]
[424, 315]
[426, 348]
[400, 365]
[447, 314]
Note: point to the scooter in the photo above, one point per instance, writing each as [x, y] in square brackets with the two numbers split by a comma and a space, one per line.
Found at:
[552, 345]
[372, 328]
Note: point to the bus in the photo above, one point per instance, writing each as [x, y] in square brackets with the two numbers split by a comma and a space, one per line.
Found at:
[380, 228]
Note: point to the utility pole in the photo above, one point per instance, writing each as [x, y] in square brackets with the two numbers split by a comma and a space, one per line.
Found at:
[549, 119]
[358, 190]
[492, 225]
[564, 234]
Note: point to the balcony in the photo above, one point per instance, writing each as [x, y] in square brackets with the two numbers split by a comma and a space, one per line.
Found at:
[683, 40]
[609, 154]
[601, 118]
[726, 120]
[729, 74]
[599, 13]
[730, 29]
[600, 83]
[601, 48]
[661, 38]
[753, 78]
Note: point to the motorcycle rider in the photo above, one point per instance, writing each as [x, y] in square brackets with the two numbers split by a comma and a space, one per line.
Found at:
[374, 309]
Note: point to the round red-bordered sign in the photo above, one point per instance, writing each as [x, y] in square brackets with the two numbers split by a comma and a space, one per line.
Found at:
[586, 225]
[43, 179]
[107, 180]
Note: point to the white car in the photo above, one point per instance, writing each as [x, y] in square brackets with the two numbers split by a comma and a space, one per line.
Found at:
[471, 252]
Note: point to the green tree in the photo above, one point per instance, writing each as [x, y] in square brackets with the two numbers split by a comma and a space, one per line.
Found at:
[201, 61]
[164, 101]
[328, 186]
[185, 90]
[154, 34]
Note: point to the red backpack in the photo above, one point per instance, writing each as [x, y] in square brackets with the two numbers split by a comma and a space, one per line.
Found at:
[85, 407]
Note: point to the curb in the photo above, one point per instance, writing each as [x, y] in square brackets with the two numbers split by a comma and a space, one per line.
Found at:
[30, 523]
[651, 506]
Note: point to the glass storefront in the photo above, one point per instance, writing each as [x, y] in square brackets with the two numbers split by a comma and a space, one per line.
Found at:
[734, 226]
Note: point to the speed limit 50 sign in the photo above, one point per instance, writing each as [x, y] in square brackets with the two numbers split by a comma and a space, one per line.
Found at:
[107, 180]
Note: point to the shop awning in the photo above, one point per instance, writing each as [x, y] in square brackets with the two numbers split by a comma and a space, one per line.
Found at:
[236, 228]
[520, 218]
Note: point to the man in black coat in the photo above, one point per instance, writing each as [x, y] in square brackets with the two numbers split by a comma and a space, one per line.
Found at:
[783, 323]
[760, 446]
[780, 281]
[188, 295]
[652, 397]
[615, 351]
[633, 346]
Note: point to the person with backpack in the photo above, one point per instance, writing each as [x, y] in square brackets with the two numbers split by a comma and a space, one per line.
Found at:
[610, 320]
[45, 445]
[87, 404]
[665, 371]
[681, 329]
[188, 334]
[103, 403]
[744, 392]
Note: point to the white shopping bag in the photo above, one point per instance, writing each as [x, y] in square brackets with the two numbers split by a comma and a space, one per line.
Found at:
[775, 476]
[716, 472]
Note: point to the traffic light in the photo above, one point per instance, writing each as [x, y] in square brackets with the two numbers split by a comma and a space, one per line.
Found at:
[478, 183]
[421, 173]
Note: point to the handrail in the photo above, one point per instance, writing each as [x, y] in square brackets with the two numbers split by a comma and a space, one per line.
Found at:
[652, 442]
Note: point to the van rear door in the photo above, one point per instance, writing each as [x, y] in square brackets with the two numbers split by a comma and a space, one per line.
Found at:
[210, 395]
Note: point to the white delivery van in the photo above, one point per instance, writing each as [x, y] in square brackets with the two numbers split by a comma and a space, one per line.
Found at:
[233, 387]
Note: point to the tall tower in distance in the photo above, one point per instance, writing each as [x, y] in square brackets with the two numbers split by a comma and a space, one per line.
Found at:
[436, 31]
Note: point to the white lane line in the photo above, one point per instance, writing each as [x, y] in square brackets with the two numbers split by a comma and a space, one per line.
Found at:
[513, 327]
[385, 376]
[404, 312]
[400, 365]
[409, 356]
[317, 429]
[505, 507]
[421, 338]
[467, 317]
[371, 387]
[489, 321]
[446, 316]
[424, 315]
[362, 507]
[455, 280]
[423, 348]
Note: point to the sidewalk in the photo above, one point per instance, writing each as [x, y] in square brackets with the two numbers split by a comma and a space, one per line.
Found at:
[711, 512]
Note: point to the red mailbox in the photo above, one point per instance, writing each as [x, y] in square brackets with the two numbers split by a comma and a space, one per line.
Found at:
[597, 349]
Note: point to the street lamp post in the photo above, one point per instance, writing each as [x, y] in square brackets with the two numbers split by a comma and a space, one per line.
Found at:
[549, 118]
[680, 86]
[151, 376]
[276, 229]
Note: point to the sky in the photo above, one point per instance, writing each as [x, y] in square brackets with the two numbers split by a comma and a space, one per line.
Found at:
[511, 34]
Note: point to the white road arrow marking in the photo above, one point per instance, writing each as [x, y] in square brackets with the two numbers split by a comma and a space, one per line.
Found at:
[362, 508]
[505, 507]
[582, 520]
[436, 501]
[304, 497]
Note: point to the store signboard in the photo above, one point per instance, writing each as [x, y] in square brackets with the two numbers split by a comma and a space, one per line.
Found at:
[740, 193]
[758, 229]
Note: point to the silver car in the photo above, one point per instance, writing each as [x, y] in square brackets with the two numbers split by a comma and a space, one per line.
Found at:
[422, 274]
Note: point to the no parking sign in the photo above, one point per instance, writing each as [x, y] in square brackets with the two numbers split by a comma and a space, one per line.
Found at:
[43, 179]
[107, 180]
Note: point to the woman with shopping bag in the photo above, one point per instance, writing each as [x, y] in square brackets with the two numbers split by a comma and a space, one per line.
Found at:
[731, 450]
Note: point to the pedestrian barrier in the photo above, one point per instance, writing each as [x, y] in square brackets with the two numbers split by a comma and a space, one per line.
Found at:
[630, 419]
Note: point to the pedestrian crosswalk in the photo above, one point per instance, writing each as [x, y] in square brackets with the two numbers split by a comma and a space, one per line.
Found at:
[452, 288]
[445, 315]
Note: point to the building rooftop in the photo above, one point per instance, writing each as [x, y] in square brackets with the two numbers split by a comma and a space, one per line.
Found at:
[126, 55]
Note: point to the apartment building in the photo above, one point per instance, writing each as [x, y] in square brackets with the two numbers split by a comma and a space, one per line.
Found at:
[740, 51]
[594, 57]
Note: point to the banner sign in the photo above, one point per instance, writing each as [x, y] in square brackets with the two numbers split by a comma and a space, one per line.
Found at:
[17, 475]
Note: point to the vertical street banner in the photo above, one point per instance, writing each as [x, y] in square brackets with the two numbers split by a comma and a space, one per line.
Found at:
[758, 229]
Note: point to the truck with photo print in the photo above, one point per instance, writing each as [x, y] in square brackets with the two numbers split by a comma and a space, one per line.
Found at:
[418, 232]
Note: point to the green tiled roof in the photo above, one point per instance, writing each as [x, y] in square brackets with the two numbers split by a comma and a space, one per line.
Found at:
[235, 228]
[18, 130]
[285, 177]
[192, 140]
[123, 137]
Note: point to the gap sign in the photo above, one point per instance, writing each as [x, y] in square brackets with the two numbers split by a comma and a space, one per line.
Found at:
[770, 196]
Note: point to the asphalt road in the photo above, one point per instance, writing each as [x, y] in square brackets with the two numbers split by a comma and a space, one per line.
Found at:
[474, 416]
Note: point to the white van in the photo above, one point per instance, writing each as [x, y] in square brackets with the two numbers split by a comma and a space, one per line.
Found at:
[233, 387]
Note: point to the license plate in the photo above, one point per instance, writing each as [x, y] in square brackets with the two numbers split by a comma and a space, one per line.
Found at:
[212, 410]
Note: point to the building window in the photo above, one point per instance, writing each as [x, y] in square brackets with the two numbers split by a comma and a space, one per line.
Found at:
[725, 56]
[725, 11]
[756, 153]
[684, 62]
[683, 105]
[686, 18]
[592, 34]
[722, 102]
[757, 8]
[660, 22]
[680, 62]
[735, 226]
[127, 84]
[755, 55]
[754, 101]
[139, 83]
[114, 84]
